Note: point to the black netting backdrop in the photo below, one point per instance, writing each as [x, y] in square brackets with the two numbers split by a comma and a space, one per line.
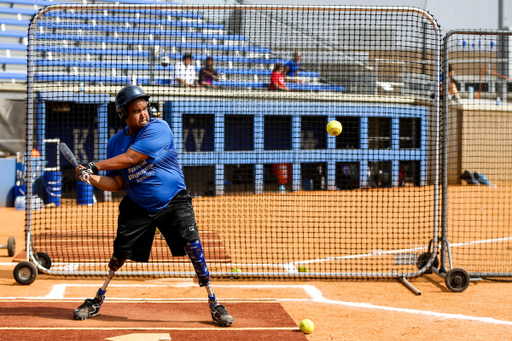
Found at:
[274, 194]
[478, 152]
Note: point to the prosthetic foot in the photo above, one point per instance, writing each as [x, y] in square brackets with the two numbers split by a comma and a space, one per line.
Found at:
[90, 308]
[220, 316]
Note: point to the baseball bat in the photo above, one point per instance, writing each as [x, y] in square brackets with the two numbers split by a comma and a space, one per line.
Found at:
[68, 154]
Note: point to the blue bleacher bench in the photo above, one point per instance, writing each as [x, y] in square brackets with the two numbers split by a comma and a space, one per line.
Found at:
[14, 34]
[239, 84]
[260, 72]
[84, 50]
[143, 66]
[314, 87]
[14, 22]
[17, 61]
[135, 53]
[13, 75]
[127, 30]
[145, 54]
[166, 12]
[145, 41]
[150, 11]
[101, 17]
[49, 3]
[31, 2]
[47, 77]
[111, 18]
[138, 2]
[16, 11]
[18, 47]
[97, 64]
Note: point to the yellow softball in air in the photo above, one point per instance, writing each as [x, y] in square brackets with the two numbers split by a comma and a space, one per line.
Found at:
[334, 128]
[306, 326]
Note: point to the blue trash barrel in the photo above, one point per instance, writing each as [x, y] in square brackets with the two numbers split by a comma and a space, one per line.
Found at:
[52, 181]
[85, 194]
[20, 190]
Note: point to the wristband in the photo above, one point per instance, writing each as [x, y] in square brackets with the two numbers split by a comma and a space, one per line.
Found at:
[93, 168]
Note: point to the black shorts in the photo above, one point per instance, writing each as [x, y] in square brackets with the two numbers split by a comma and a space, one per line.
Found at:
[136, 227]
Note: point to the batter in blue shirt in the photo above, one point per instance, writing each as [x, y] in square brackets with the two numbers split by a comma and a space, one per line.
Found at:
[153, 182]
[142, 158]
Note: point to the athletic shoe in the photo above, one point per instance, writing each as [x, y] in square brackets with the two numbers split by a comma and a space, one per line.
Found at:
[90, 308]
[220, 316]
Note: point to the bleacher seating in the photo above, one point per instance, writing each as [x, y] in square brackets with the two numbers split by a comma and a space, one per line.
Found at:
[17, 76]
[13, 34]
[78, 47]
[16, 11]
[134, 20]
[39, 3]
[19, 47]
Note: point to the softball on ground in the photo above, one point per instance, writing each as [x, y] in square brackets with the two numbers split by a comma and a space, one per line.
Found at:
[334, 128]
[306, 326]
[303, 268]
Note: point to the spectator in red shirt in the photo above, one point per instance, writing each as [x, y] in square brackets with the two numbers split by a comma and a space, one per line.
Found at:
[277, 78]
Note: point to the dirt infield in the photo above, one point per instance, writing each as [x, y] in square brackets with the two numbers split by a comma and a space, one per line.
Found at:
[341, 310]
[333, 231]
[480, 228]
[95, 246]
[360, 231]
[46, 320]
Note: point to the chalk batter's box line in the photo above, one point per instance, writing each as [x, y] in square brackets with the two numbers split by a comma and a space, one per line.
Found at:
[146, 328]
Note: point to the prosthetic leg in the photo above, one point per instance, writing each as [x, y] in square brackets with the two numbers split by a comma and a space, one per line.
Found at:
[91, 306]
[219, 314]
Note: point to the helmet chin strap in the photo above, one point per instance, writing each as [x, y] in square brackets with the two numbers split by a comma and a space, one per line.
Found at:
[124, 131]
[122, 115]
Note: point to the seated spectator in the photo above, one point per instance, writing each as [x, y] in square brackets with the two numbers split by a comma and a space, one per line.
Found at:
[291, 69]
[452, 87]
[277, 78]
[453, 93]
[185, 73]
[208, 74]
[482, 179]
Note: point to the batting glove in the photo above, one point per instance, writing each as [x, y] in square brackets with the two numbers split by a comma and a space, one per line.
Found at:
[93, 168]
[84, 175]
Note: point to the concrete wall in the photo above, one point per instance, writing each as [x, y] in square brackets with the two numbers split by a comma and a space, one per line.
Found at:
[8, 176]
[480, 140]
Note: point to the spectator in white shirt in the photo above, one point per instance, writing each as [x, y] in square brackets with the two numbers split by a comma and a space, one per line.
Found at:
[185, 73]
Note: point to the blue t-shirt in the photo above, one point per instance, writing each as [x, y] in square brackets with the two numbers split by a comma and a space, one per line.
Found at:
[153, 182]
[292, 67]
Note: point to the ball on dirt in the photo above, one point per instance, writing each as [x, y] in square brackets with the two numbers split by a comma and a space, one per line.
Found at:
[303, 268]
[306, 326]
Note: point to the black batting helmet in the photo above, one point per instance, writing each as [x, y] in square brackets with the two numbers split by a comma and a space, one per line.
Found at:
[125, 96]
